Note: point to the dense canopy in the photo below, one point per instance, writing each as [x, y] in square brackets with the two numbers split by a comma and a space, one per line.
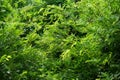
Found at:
[59, 39]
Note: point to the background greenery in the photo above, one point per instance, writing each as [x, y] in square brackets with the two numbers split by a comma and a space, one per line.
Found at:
[59, 39]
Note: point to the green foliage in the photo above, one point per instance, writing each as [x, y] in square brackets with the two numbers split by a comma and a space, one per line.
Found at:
[59, 39]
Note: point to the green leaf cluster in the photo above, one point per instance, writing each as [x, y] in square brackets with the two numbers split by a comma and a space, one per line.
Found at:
[59, 39]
